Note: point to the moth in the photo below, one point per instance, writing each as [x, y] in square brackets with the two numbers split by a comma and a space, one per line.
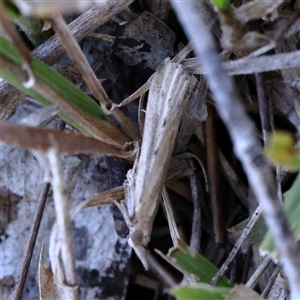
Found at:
[168, 97]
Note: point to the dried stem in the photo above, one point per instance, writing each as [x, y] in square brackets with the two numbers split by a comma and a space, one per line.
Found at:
[247, 147]
[271, 281]
[251, 283]
[196, 226]
[264, 109]
[63, 221]
[81, 63]
[213, 172]
[31, 242]
[256, 215]
[250, 65]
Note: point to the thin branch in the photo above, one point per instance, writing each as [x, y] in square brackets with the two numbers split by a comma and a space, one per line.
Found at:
[250, 65]
[256, 215]
[67, 142]
[264, 110]
[271, 281]
[31, 242]
[213, 172]
[195, 241]
[253, 280]
[247, 147]
[63, 222]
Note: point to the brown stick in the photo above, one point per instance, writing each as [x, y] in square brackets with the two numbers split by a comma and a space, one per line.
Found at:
[213, 172]
[31, 242]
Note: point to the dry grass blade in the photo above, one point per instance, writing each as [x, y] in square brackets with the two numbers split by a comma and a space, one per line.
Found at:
[108, 197]
[62, 260]
[31, 241]
[41, 139]
[168, 97]
[89, 76]
[256, 215]
[174, 232]
[247, 147]
[250, 65]
[258, 272]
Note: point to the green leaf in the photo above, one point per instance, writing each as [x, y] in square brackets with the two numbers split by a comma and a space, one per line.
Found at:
[200, 291]
[281, 150]
[292, 208]
[221, 4]
[53, 79]
[191, 263]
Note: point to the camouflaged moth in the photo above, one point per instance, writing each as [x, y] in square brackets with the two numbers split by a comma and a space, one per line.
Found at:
[168, 97]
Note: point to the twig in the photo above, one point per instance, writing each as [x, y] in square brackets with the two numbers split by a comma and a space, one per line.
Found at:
[68, 281]
[251, 283]
[213, 172]
[81, 63]
[31, 242]
[264, 110]
[195, 241]
[247, 147]
[271, 282]
[250, 65]
[237, 246]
